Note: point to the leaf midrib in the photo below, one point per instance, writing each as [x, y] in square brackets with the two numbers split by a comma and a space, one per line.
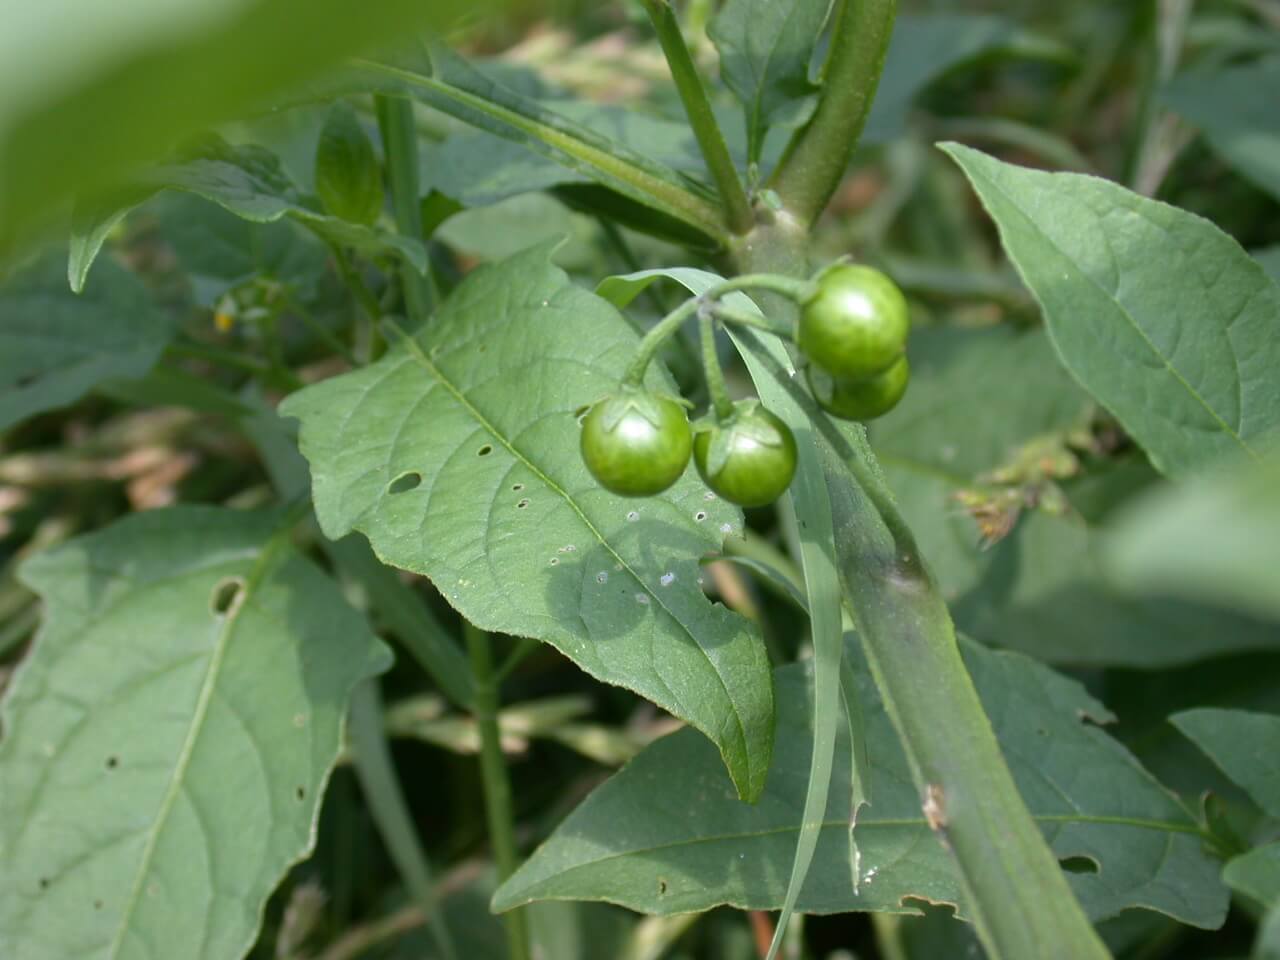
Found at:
[1124, 312]
[205, 697]
[420, 355]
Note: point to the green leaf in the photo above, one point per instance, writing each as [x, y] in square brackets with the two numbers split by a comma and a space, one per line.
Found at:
[977, 398]
[1216, 539]
[457, 455]
[453, 87]
[347, 174]
[1160, 315]
[1236, 110]
[169, 739]
[80, 108]
[1246, 746]
[55, 347]
[927, 46]
[765, 50]
[219, 250]
[1256, 874]
[664, 844]
[477, 168]
[1269, 257]
[810, 509]
[250, 182]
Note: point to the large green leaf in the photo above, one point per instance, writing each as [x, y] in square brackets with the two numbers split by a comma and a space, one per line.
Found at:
[169, 739]
[80, 107]
[1215, 539]
[55, 346]
[457, 455]
[1160, 315]
[249, 182]
[1238, 111]
[765, 50]
[1245, 745]
[667, 844]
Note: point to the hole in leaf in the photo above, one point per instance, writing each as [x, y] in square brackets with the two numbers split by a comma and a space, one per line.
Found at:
[113, 762]
[1079, 864]
[485, 450]
[44, 883]
[300, 793]
[226, 593]
[662, 886]
[404, 483]
[524, 502]
[517, 487]
[582, 411]
[700, 515]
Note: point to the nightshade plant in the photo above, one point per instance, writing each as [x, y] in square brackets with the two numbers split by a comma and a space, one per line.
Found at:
[414, 443]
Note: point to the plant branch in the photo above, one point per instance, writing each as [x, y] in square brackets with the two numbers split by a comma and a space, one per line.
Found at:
[737, 208]
[1016, 891]
[507, 114]
[497, 787]
[816, 158]
[400, 142]
[716, 386]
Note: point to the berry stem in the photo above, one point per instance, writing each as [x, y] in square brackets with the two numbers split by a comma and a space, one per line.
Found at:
[716, 386]
[789, 287]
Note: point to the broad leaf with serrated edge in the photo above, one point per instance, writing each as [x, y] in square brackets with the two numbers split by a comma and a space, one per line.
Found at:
[168, 740]
[665, 844]
[1157, 312]
[55, 346]
[457, 455]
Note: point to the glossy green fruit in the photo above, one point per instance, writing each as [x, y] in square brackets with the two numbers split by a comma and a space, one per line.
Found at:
[860, 399]
[855, 326]
[348, 178]
[636, 444]
[749, 459]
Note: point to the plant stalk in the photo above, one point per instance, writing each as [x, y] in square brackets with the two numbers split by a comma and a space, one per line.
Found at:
[400, 142]
[737, 208]
[816, 158]
[716, 387]
[497, 786]
[1015, 890]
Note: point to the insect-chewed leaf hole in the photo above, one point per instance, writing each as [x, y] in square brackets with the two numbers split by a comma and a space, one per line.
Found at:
[225, 595]
[582, 411]
[524, 502]
[112, 762]
[485, 450]
[300, 793]
[1079, 864]
[405, 482]
[517, 487]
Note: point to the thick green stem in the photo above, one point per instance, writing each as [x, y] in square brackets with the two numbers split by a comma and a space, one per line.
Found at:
[788, 288]
[816, 158]
[737, 209]
[1015, 890]
[400, 141]
[716, 387]
[497, 787]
